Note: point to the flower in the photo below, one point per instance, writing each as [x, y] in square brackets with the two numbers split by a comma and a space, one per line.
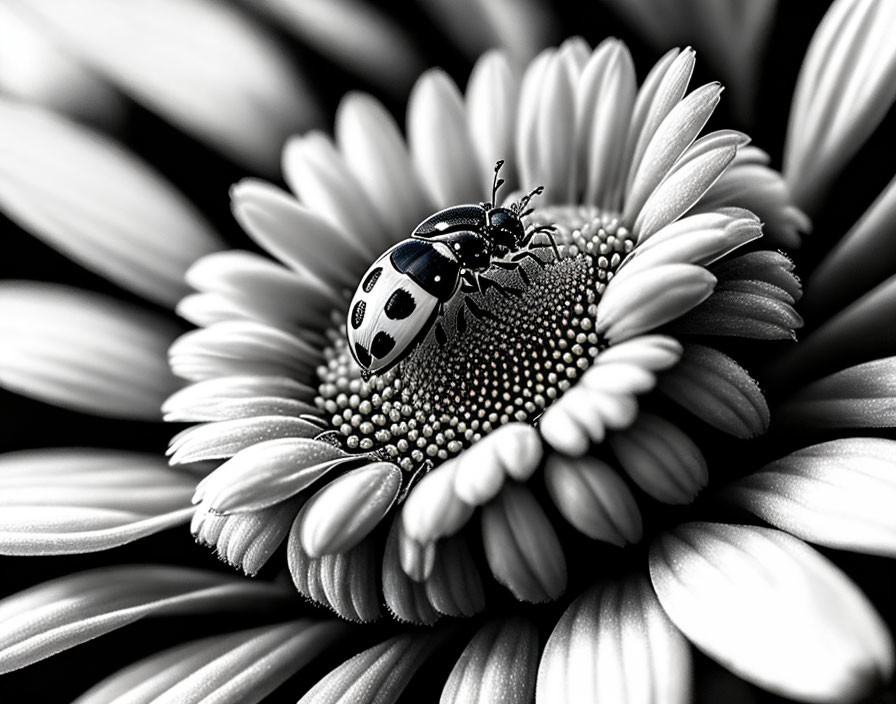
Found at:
[591, 401]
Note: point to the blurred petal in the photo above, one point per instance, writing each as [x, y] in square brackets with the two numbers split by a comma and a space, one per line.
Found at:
[65, 612]
[267, 473]
[521, 547]
[35, 69]
[772, 610]
[497, 665]
[354, 34]
[862, 258]
[846, 85]
[454, 586]
[717, 390]
[440, 143]
[594, 499]
[229, 84]
[839, 494]
[237, 668]
[863, 396]
[433, 509]
[246, 540]
[615, 643]
[407, 599]
[376, 676]
[84, 351]
[57, 502]
[341, 514]
[98, 203]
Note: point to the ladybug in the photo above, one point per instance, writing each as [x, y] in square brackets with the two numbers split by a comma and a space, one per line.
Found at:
[403, 292]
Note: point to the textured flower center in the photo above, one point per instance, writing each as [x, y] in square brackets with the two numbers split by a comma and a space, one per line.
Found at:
[505, 356]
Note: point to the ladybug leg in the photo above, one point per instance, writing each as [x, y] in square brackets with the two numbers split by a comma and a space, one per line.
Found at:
[484, 284]
[548, 231]
[415, 477]
[515, 266]
[518, 258]
[477, 311]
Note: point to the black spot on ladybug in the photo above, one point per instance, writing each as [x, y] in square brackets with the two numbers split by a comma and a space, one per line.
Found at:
[362, 355]
[400, 305]
[358, 314]
[371, 279]
[382, 345]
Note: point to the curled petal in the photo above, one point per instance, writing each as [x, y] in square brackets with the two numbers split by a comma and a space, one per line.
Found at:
[65, 612]
[839, 494]
[375, 676]
[594, 499]
[237, 668]
[341, 514]
[267, 473]
[615, 643]
[244, 540]
[497, 665]
[432, 509]
[512, 450]
[717, 390]
[84, 351]
[661, 459]
[521, 547]
[232, 86]
[772, 610]
[346, 582]
[57, 180]
[635, 304]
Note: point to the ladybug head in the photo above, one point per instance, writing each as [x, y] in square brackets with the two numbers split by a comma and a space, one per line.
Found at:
[505, 226]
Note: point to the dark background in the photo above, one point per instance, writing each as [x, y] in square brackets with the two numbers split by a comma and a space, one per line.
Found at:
[205, 177]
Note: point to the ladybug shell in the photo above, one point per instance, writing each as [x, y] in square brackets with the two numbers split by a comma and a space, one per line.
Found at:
[388, 315]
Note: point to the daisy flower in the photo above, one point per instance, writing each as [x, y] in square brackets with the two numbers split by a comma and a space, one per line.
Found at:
[607, 450]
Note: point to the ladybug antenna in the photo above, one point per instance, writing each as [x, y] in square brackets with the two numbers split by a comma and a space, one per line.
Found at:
[524, 201]
[497, 182]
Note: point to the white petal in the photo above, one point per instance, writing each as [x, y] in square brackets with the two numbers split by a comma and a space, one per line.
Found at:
[57, 502]
[846, 85]
[341, 514]
[98, 204]
[236, 668]
[233, 397]
[772, 610]
[267, 473]
[672, 137]
[407, 599]
[594, 499]
[741, 314]
[377, 675]
[229, 84]
[632, 305]
[651, 352]
[492, 94]
[440, 142]
[297, 236]
[717, 390]
[84, 351]
[356, 35]
[839, 494]
[375, 151]
[512, 450]
[863, 396]
[497, 665]
[319, 176]
[614, 643]
[861, 259]
[521, 547]
[433, 509]
[65, 612]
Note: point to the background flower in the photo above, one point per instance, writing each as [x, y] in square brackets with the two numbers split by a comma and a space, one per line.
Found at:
[170, 548]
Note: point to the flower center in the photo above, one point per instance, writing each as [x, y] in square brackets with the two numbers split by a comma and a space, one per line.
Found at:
[505, 354]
